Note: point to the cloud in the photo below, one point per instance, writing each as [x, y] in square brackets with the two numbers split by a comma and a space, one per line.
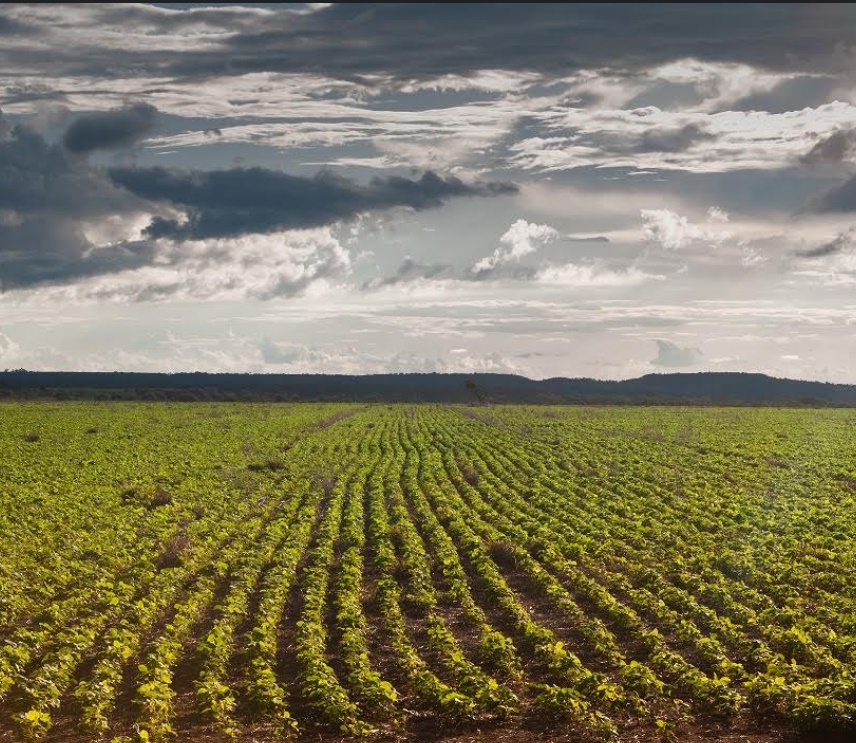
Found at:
[64, 219]
[412, 270]
[789, 94]
[418, 42]
[277, 78]
[52, 203]
[672, 355]
[57, 251]
[837, 200]
[836, 148]
[297, 358]
[831, 264]
[519, 240]
[275, 353]
[674, 232]
[8, 347]
[592, 275]
[637, 136]
[424, 42]
[833, 247]
[587, 239]
[715, 214]
[224, 203]
[559, 137]
[525, 237]
[106, 130]
[672, 140]
[14, 27]
[750, 257]
[252, 267]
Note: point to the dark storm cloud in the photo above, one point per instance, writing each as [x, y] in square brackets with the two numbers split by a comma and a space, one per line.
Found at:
[836, 148]
[228, 203]
[50, 198]
[46, 195]
[42, 180]
[105, 130]
[412, 270]
[55, 252]
[426, 40]
[422, 41]
[833, 247]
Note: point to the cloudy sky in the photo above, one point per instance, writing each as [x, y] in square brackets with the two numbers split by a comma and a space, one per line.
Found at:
[556, 190]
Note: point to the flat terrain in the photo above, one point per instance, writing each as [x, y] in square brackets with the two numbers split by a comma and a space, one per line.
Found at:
[327, 571]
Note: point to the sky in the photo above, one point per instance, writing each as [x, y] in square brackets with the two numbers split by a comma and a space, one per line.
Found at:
[578, 190]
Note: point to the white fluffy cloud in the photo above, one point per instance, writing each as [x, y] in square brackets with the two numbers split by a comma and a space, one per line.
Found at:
[8, 347]
[521, 239]
[672, 231]
[285, 264]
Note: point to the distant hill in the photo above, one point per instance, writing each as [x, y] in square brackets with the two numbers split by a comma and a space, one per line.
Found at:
[704, 388]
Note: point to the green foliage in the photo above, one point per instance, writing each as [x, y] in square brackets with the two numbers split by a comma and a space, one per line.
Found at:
[603, 569]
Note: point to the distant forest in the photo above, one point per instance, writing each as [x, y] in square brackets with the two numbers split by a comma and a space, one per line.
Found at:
[705, 388]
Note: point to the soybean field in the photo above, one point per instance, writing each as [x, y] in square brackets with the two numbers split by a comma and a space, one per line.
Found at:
[251, 572]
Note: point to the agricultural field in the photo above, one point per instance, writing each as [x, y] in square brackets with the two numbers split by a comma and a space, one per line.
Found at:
[214, 572]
